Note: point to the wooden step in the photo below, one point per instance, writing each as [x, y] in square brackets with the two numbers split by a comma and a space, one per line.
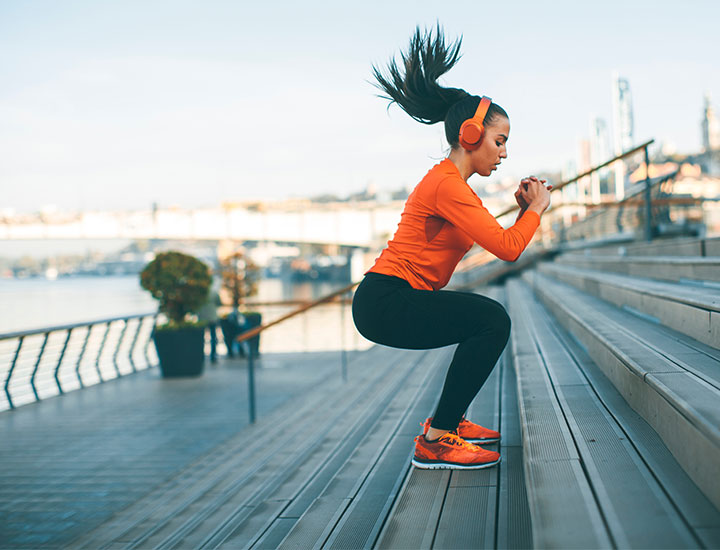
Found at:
[683, 246]
[671, 381]
[632, 499]
[689, 309]
[697, 269]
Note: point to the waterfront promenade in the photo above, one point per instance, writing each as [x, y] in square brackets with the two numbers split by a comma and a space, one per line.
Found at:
[71, 462]
[607, 398]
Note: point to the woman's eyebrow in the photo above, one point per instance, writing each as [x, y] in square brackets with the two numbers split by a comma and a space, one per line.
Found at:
[503, 135]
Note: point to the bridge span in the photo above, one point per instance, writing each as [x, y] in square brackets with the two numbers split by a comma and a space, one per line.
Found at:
[363, 224]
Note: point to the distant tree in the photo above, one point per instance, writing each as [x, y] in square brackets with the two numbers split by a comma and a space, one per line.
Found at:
[239, 277]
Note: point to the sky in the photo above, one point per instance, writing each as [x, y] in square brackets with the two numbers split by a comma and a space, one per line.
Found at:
[121, 104]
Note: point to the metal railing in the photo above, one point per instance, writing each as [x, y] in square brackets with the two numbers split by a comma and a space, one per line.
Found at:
[337, 296]
[647, 210]
[37, 364]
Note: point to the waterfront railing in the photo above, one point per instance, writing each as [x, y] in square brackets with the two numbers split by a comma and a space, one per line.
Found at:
[37, 364]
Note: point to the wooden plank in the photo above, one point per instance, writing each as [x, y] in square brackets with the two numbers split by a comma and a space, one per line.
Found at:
[364, 449]
[632, 365]
[690, 502]
[562, 505]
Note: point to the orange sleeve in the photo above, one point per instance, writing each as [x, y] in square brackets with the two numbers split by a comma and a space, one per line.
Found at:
[459, 205]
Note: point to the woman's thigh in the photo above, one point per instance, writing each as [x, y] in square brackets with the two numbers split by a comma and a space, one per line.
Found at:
[422, 319]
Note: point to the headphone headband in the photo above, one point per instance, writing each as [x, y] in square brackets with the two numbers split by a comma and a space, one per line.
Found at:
[482, 109]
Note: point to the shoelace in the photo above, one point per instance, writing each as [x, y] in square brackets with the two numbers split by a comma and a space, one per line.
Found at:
[454, 439]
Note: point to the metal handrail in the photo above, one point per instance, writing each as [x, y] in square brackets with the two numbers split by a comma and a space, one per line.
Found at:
[587, 173]
[253, 332]
[31, 332]
[59, 363]
[302, 309]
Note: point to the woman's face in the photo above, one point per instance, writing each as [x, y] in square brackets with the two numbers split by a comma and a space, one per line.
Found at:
[487, 157]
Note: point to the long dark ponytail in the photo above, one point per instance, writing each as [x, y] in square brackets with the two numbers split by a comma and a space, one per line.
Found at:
[417, 92]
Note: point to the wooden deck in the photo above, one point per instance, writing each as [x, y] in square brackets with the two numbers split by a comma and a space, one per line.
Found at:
[591, 397]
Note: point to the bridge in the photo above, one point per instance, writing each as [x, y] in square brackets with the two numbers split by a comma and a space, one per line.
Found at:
[361, 224]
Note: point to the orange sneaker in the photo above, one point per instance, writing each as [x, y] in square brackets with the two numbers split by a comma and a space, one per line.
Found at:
[451, 452]
[471, 432]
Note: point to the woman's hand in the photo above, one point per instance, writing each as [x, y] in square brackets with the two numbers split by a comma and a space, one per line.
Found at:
[535, 194]
[522, 203]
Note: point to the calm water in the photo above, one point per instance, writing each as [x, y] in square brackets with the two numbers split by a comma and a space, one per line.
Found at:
[37, 303]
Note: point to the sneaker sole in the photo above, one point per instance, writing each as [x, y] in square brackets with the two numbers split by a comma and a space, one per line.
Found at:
[482, 441]
[451, 465]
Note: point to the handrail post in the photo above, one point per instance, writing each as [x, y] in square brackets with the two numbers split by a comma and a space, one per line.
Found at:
[251, 382]
[132, 346]
[149, 340]
[10, 373]
[99, 354]
[62, 355]
[648, 199]
[37, 366]
[117, 347]
[82, 355]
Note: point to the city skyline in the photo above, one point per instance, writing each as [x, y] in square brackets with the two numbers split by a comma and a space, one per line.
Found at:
[130, 104]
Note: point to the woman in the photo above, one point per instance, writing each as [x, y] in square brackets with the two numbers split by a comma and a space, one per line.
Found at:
[399, 302]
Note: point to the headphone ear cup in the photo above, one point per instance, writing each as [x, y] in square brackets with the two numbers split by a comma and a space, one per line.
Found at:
[471, 135]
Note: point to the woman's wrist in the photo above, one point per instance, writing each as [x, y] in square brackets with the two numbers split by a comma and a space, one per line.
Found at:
[538, 208]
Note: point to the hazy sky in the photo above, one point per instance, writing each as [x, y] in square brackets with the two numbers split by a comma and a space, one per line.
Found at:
[119, 104]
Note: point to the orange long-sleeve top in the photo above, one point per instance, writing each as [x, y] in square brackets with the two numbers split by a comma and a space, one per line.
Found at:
[442, 219]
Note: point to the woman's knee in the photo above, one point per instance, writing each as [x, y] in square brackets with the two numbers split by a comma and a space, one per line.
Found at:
[498, 322]
[504, 324]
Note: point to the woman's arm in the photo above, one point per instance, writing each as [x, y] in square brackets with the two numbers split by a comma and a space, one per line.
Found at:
[457, 203]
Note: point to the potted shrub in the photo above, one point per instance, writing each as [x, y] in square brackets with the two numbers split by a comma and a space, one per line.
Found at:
[180, 283]
[239, 280]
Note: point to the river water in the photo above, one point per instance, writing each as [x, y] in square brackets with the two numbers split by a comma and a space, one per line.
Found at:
[29, 304]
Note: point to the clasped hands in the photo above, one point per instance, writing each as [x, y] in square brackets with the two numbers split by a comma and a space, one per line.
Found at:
[532, 192]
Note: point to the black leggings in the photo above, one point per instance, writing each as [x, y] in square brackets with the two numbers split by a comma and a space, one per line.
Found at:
[388, 311]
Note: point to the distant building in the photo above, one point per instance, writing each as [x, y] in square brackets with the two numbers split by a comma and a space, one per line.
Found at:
[710, 127]
[623, 127]
[583, 164]
[599, 153]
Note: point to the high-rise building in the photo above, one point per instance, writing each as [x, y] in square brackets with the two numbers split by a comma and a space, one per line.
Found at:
[583, 165]
[710, 127]
[622, 127]
[599, 153]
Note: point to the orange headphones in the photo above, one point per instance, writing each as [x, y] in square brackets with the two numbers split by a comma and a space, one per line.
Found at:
[472, 130]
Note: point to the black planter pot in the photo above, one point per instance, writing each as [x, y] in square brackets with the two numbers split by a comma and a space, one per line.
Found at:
[230, 329]
[180, 351]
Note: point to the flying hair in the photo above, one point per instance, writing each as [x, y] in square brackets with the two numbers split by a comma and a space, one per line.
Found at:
[413, 86]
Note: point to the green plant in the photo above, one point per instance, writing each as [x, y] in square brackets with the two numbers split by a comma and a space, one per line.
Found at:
[179, 282]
